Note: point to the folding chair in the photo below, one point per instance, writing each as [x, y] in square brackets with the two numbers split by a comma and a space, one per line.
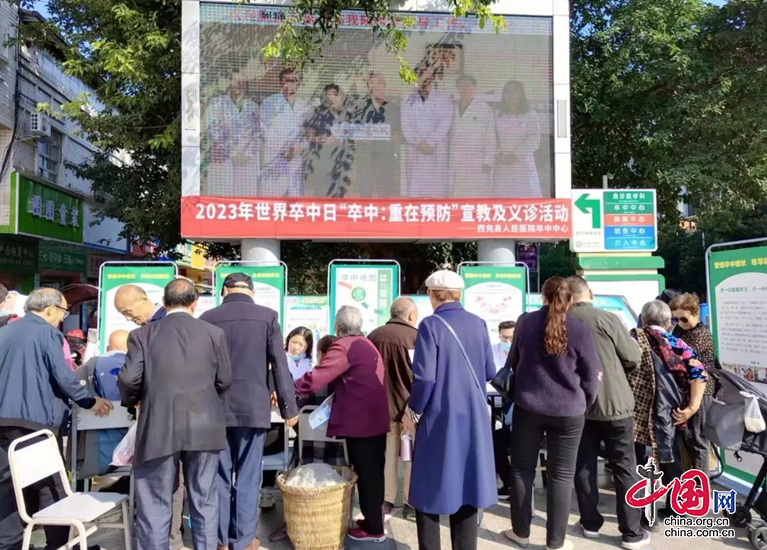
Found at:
[320, 435]
[279, 462]
[84, 420]
[41, 460]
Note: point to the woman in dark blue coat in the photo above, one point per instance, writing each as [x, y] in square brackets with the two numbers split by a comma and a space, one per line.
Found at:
[453, 467]
[556, 376]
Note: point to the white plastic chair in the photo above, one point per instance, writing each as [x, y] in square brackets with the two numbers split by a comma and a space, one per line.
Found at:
[84, 420]
[320, 434]
[42, 460]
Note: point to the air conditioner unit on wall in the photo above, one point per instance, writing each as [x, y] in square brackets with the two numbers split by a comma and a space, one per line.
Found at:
[39, 125]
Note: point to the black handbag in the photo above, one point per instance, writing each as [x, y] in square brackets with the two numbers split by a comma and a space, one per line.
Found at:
[503, 383]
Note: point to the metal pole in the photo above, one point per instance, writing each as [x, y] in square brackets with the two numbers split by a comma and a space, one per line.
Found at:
[605, 182]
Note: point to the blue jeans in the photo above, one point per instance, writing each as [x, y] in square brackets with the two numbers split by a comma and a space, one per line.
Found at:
[238, 501]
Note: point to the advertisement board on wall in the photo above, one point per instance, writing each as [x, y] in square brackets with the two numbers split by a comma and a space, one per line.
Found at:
[494, 293]
[269, 282]
[151, 278]
[371, 288]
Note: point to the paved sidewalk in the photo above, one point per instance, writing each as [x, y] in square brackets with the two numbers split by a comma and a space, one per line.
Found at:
[402, 533]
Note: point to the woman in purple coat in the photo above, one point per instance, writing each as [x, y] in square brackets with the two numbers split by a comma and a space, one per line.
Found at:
[453, 469]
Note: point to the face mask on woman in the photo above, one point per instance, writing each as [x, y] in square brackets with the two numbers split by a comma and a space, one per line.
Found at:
[299, 357]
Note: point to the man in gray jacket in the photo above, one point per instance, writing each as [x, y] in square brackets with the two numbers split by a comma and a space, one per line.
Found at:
[609, 420]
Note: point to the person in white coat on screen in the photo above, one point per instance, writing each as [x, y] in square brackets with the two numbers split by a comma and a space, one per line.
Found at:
[426, 119]
[519, 136]
[472, 143]
[232, 126]
[282, 126]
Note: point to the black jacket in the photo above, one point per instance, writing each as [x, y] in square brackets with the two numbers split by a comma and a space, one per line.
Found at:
[255, 342]
[176, 368]
[668, 398]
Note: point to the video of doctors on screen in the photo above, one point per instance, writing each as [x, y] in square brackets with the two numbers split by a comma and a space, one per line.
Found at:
[477, 123]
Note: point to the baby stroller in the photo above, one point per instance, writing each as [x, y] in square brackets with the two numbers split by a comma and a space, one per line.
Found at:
[726, 428]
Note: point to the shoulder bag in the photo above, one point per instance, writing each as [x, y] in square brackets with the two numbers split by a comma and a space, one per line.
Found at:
[469, 365]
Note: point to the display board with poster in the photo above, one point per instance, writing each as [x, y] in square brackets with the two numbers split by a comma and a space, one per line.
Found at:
[370, 287]
[494, 293]
[269, 283]
[423, 304]
[345, 148]
[738, 301]
[737, 291]
[152, 278]
[307, 311]
[614, 304]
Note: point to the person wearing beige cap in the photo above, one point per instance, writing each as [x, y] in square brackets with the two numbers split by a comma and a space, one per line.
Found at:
[453, 470]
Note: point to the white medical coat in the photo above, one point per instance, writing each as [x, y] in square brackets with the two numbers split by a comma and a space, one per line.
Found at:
[520, 135]
[282, 127]
[234, 131]
[472, 147]
[426, 121]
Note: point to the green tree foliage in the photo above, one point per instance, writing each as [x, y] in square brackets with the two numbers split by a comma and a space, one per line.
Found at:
[668, 94]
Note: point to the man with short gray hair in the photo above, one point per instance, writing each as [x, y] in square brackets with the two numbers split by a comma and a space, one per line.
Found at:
[35, 389]
[396, 343]
[610, 420]
[360, 414]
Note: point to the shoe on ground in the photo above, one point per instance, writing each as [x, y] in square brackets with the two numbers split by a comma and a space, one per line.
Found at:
[267, 501]
[568, 545]
[408, 512]
[360, 535]
[593, 535]
[654, 528]
[519, 541]
[638, 545]
[504, 492]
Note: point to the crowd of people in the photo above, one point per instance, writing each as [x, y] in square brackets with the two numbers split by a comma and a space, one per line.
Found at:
[204, 390]
[427, 145]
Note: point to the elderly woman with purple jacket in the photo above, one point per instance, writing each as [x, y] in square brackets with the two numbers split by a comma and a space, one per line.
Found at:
[360, 413]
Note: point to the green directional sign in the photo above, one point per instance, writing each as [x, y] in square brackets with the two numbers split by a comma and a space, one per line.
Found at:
[587, 205]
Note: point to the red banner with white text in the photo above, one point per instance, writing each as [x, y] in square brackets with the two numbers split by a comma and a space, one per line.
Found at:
[411, 219]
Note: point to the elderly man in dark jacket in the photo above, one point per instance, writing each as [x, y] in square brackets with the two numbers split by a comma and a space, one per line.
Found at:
[35, 386]
[255, 342]
[176, 368]
[396, 343]
[360, 413]
[610, 420]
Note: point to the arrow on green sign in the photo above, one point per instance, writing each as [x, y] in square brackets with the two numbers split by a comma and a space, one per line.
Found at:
[593, 206]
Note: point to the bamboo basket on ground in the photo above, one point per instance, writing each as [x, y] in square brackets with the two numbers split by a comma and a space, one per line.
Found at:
[318, 519]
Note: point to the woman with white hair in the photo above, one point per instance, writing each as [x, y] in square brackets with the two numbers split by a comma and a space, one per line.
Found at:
[360, 414]
[453, 469]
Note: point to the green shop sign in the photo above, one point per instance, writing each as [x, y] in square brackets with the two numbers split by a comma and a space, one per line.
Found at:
[61, 259]
[17, 257]
[47, 212]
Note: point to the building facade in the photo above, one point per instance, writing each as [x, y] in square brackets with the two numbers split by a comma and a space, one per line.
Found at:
[47, 232]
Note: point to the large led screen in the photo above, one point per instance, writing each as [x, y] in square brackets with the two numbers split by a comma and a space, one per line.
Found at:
[477, 124]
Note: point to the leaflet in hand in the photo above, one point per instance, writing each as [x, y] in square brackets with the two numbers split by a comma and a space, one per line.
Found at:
[321, 414]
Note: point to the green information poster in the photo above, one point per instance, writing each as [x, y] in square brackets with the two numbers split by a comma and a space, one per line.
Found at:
[151, 278]
[371, 288]
[268, 284]
[738, 301]
[495, 293]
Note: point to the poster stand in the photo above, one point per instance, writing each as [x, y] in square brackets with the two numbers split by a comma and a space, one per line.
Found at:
[384, 296]
[735, 263]
[107, 266]
[260, 279]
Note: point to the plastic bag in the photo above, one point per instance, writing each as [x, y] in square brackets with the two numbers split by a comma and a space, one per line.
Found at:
[321, 414]
[314, 476]
[753, 415]
[123, 454]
